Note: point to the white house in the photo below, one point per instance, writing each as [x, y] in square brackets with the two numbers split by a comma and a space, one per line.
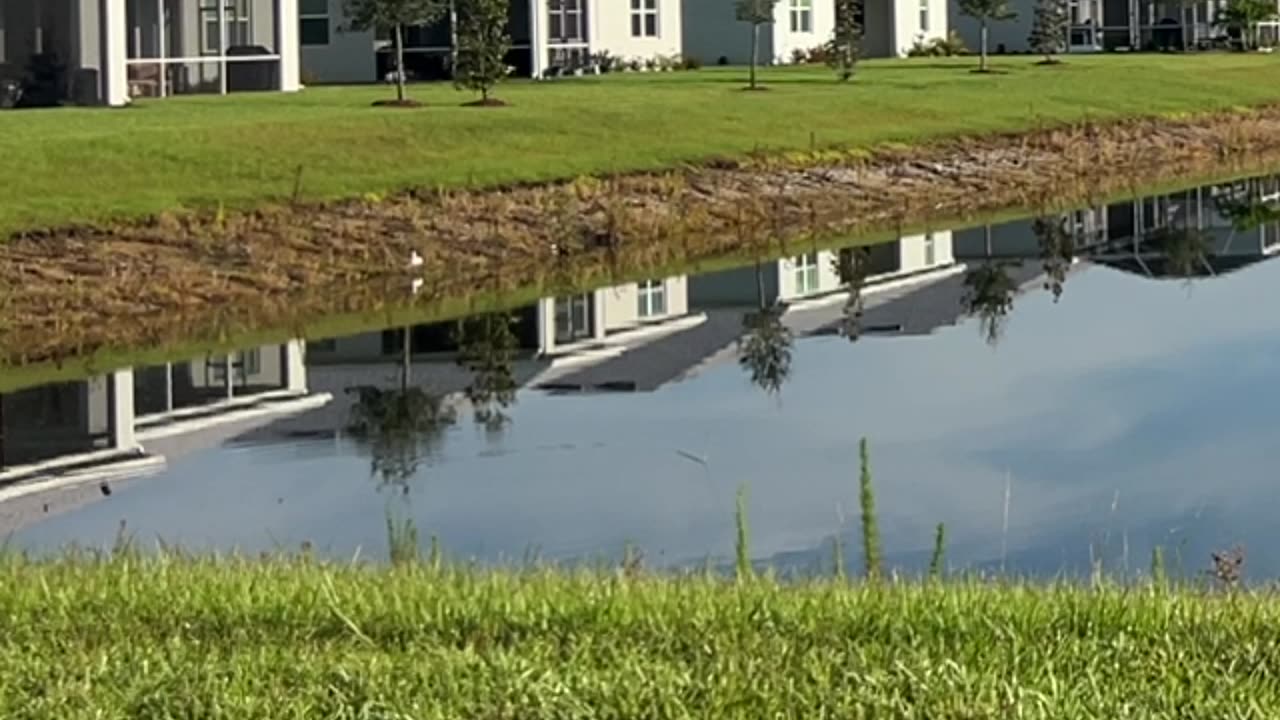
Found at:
[547, 36]
[714, 35]
[124, 422]
[1098, 25]
[109, 51]
[571, 328]
[812, 276]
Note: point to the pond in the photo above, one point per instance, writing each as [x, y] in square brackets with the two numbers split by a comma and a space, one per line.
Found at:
[1057, 392]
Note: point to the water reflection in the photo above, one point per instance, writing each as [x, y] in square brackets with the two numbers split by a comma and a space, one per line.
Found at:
[1120, 412]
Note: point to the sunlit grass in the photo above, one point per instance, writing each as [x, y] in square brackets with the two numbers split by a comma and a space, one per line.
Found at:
[69, 165]
[175, 637]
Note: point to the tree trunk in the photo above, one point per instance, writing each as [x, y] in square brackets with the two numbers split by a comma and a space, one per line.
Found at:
[453, 39]
[407, 360]
[399, 39]
[755, 45]
[982, 57]
[986, 241]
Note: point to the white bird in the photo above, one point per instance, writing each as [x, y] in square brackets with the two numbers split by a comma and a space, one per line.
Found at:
[415, 260]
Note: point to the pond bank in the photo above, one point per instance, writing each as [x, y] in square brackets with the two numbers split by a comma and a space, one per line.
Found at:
[70, 292]
[299, 638]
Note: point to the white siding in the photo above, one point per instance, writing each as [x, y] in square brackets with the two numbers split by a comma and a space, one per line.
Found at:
[348, 58]
[828, 279]
[914, 251]
[622, 308]
[611, 30]
[785, 42]
[907, 23]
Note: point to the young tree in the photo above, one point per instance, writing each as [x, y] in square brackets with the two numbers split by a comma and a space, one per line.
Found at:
[1049, 29]
[757, 13]
[1243, 16]
[985, 12]
[765, 349]
[842, 49]
[393, 16]
[486, 348]
[483, 44]
[989, 291]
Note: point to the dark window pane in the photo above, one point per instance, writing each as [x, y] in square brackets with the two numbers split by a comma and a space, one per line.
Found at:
[651, 25]
[314, 31]
[313, 7]
[635, 26]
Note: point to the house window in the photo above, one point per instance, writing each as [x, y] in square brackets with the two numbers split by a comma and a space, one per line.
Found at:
[313, 22]
[565, 21]
[238, 18]
[644, 18]
[652, 299]
[801, 16]
[573, 318]
[806, 273]
[924, 16]
[930, 254]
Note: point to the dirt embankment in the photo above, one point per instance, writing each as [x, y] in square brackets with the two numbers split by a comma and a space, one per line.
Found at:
[203, 277]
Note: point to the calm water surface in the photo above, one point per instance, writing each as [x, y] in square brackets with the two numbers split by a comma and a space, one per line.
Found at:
[1140, 408]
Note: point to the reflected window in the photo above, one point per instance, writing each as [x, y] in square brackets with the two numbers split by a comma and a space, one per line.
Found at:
[573, 318]
[652, 299]
[806, 273]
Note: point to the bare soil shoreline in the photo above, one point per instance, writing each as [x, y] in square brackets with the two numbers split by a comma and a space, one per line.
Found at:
[75, 291]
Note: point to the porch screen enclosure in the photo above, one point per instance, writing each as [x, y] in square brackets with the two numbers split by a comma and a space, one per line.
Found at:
[204, 46]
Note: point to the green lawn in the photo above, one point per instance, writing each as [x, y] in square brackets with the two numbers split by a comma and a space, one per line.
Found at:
[271, 640]
[70, 165]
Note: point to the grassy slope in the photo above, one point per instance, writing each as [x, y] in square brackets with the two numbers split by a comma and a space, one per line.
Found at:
[152, 639]
[71, 165]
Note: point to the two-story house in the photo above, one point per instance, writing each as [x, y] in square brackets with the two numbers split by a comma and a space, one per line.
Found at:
[547, 37]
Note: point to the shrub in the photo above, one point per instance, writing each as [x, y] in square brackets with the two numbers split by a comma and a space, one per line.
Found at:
[688, 62]
[950, 46]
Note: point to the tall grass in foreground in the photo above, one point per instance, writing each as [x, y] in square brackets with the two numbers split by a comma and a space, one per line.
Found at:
[122, 634]
[166, 637]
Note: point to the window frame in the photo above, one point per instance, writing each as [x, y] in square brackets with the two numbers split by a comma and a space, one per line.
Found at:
[312, 18]
[651, 299]
[807, 278]
[645, 19]
[238, 20]
[802, 16]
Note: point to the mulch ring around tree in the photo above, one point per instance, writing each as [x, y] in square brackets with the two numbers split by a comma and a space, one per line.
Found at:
[486, 102]
[406, 103]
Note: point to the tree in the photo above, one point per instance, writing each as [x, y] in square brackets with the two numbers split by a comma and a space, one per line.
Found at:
[765, 351]
[1057, 252]
[1243, 16]
[842, 49]
[1049, 29]
[986, 11]
[486, 348]
[852, 265]
[483, 44]
[989, 295]
[757, 13]
[400, 426]
[393, 16]
[1186, 250]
